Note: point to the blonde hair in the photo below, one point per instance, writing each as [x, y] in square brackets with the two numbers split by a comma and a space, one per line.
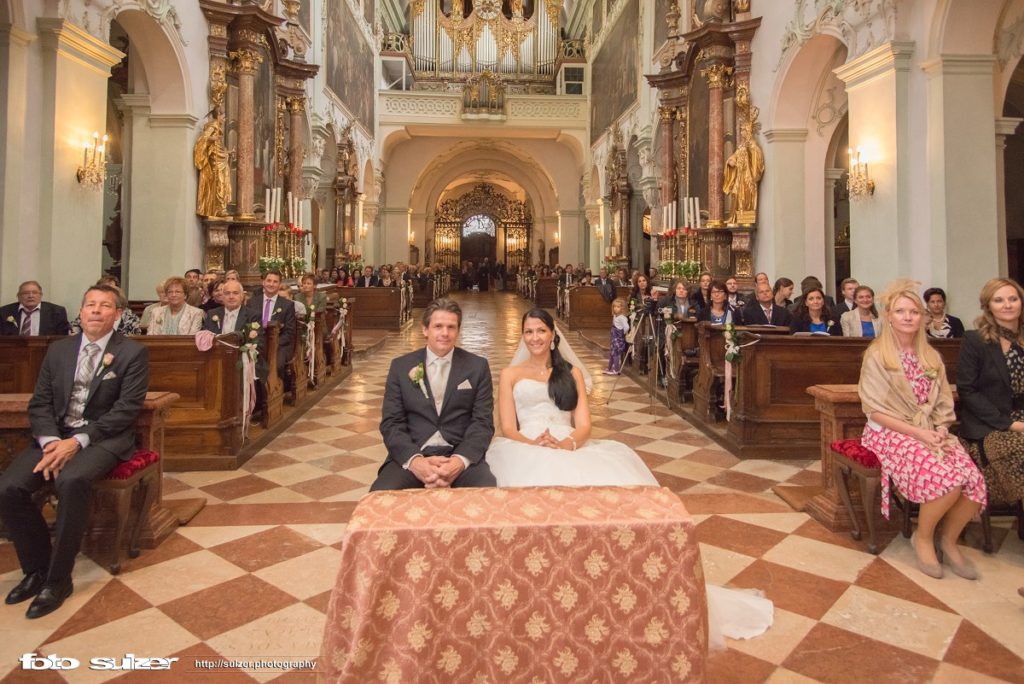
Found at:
[986, 322]
[618, 306]
[887, 346]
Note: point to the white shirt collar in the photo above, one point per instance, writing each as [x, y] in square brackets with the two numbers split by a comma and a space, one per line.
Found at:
[35, 310]
[102, 342]
[431, 356]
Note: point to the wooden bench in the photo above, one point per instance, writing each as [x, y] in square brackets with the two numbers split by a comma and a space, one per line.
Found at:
[686, 358]
[205, 424]
[545, 293]
[588, 309]
[379, 308]
[133, 506]
[772, 414]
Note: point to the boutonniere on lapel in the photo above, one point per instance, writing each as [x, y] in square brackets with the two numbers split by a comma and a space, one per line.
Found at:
[105, 363]
[277, 311]
[215, 319]
[10, 319]
[417, 374]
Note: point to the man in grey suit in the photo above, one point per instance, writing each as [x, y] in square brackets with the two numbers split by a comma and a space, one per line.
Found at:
[87, 398]
[437, 419]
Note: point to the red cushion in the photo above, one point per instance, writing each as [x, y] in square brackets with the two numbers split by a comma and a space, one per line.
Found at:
[855, 451]
[139, 460]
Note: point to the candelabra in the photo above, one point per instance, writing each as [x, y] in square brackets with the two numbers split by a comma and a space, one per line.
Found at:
[859, 184]
[92, 172]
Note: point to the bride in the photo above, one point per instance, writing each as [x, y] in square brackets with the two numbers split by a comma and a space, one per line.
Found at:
[545, 419]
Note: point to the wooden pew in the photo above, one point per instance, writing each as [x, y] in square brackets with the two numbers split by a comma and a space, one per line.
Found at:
[297, 380]
[545, 294]
[772, 414]
[205, 424]
[273, 383]
[423, 292]
[686, 358]
[588, 309]
[15, 434]
[380, 308]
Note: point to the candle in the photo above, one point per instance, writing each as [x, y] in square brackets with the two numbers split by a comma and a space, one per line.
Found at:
[291, 209]
[696, 209]
[85, 154]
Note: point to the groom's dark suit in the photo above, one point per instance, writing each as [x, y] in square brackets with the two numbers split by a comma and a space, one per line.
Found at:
[409, 419]
[115, 397]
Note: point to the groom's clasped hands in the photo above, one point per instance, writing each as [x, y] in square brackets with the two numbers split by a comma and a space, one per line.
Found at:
[436, 472]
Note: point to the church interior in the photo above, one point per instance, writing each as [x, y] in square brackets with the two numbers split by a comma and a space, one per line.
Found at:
[475, 150]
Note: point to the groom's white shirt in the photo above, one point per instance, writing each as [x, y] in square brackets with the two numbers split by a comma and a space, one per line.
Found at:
[436, 440]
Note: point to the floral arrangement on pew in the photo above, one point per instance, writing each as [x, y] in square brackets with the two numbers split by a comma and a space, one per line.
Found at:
[309, 342]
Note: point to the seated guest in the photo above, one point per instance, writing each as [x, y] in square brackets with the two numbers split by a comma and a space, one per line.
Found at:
[732, 289]
[127, 322]
[621, 280]
[604, 285]
[761, 277]
[176, 317]
[813, 315]
[385, 279]
[269, 307]
[30, 315]
[344, 279]
[677, 300]
[701, 296]
[209, 277]
[195, 293]
[367, 279]
[88, 396]
[782, 291]
[586, 280]
[215, 298]
[718, 307]
[161, 300]
[806, 285]
[941, 325]
[909, 406]
[847, 289]
[310, 295]
[862, 321]
[231, 274]
[990, 380]
[763, 310]
[300, 308]
[230, 317]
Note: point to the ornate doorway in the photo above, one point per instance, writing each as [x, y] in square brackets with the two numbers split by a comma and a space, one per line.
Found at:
[479, 239]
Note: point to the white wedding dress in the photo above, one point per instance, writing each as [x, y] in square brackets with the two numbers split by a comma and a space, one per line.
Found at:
[731, 613]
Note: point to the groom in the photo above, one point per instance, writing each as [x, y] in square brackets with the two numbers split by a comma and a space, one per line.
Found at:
[437, 419]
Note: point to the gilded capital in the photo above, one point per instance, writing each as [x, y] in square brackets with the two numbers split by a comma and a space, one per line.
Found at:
[296, 105]
[717, 75]
[666, 113]
[246, 61]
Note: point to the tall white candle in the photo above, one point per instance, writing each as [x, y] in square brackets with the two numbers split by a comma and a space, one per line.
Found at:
[696, 210]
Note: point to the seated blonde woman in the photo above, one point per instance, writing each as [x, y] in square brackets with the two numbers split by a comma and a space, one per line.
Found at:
[862, 321]
[176, 317]
[909, 405]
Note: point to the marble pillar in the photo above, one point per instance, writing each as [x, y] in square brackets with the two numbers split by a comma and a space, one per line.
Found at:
[717, 76]
[246, 63]
[296, 144]
[669, 191]
[1005, 127]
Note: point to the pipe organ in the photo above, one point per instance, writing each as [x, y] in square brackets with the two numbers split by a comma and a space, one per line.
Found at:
[515, 39]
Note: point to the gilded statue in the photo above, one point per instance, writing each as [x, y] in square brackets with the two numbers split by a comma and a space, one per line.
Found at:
[744, 168]
[211, 159]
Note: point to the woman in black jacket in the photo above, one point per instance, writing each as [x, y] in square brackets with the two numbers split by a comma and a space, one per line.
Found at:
[990, 381]
[941, 324]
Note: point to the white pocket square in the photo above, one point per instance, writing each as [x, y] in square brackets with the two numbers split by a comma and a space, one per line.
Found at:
[464, 385]
[109, 376]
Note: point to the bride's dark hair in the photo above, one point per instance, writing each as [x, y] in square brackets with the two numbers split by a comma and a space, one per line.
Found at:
[561, 384]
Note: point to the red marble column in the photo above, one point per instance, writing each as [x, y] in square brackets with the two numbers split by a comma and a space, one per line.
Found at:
[716, 74]
[246, 62]
[296, 146]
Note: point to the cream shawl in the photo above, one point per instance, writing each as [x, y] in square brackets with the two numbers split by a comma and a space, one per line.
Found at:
[889, 392]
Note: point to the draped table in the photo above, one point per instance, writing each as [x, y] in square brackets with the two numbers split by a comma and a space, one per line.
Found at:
[541, 584]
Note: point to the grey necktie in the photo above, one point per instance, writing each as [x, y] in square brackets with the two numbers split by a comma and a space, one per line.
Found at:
[80, 390]
[437, 380]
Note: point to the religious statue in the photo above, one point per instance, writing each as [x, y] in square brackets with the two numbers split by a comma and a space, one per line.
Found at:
[744, 168]
[211, 159]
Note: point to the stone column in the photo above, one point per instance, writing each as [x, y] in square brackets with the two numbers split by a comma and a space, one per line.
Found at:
[832, 177]
[717, 76]
[1005, 127]
[296, 144]
[247, 61]
[596, 255]
[669, 191]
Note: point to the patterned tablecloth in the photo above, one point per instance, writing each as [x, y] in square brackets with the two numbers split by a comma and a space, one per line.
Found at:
[518, 585]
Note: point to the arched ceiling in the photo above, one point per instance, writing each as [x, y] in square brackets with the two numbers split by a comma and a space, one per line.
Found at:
[394, 13]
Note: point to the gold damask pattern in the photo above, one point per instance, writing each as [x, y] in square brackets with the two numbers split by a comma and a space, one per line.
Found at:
[518, 585]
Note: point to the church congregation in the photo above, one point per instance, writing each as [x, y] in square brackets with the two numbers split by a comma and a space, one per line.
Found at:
[512, 340]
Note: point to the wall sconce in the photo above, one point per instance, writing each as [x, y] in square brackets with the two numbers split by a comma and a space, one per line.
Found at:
[557, 237]
[363, 231]
[598, 233]
[412, 237]
[859, 184]
[92, 172]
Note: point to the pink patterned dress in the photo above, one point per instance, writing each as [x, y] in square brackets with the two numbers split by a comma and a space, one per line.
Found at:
[917, 473]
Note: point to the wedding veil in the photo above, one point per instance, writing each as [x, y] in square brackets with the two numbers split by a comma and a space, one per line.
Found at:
[567, 352]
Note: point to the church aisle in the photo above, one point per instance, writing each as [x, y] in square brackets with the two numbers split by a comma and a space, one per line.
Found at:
[251, 575]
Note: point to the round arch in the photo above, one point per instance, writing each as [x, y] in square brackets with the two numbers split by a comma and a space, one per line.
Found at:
[167, 79]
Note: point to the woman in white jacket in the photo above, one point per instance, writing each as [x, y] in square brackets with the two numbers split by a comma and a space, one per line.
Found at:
[862, 321]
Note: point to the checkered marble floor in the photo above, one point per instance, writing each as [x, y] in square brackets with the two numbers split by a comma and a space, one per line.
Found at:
[250, 576]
